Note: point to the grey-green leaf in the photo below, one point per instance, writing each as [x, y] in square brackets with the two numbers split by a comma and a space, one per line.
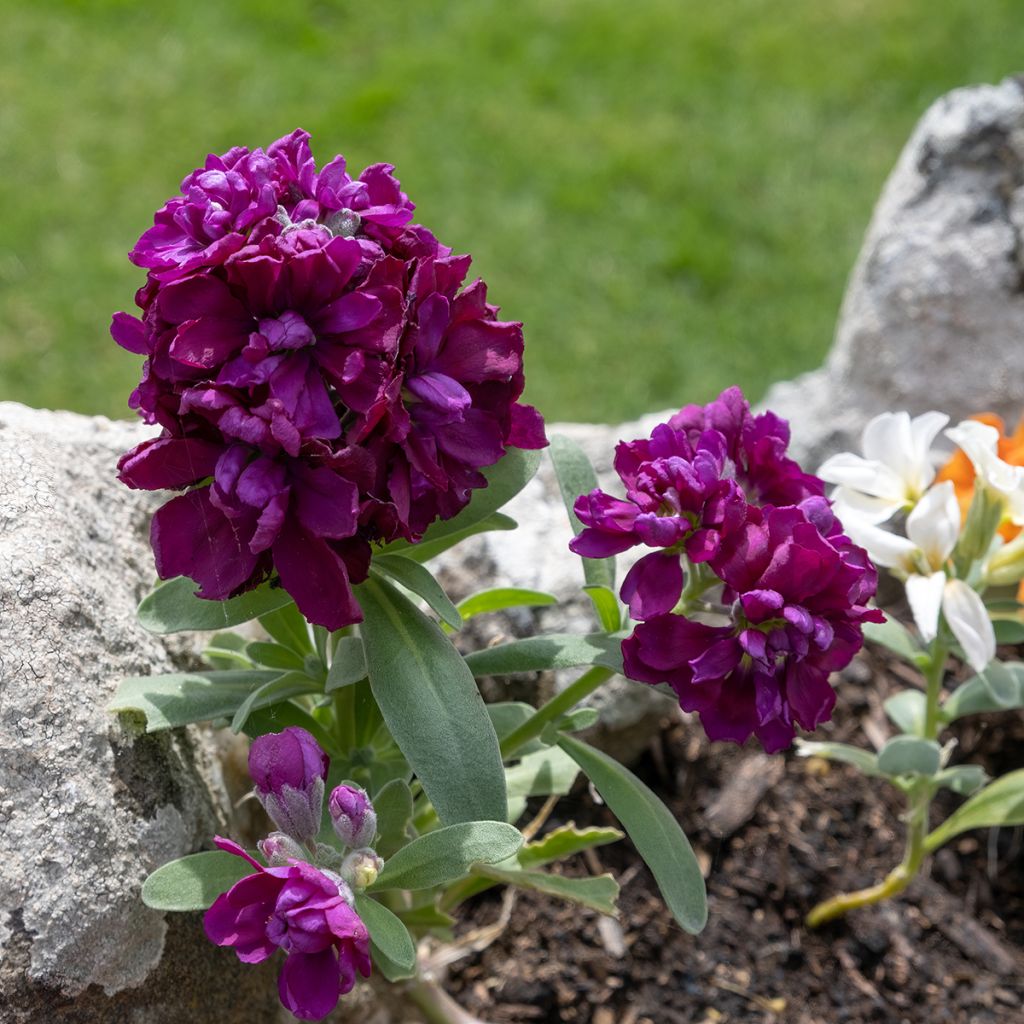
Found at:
[421, 582]
[598, 893]
[426, 549]
[909, 755]
[291, 684]
[273, 655]
[390, 939]
[446, 854]
[978, 694]
[193, 882]
[862, 759]
[654, 831]
[964, 779]
[999, 803]
[393, 805]
[563, 842]
[180, 698]
[542, 774]
[1003, 681]
[499, 598]
[348, 663]
[896, 637]
[542, 653]
[606, 605]
[907, 710]
[172, 607]
[432, 707]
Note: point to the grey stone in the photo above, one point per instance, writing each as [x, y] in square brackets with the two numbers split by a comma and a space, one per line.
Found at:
[933, 316]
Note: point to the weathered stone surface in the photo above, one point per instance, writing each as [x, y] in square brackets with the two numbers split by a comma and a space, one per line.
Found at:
[934, 313]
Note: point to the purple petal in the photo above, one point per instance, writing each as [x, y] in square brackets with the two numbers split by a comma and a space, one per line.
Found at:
[309, 983]
[168, 462]
[653, 585]
[130, 333]
[326, 504]
[348, 313]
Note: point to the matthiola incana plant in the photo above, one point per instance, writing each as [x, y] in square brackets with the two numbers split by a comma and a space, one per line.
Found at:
[953, 540]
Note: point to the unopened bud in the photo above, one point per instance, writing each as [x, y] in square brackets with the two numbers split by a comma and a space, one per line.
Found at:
[278, 849]
[352, 815]
[1006, 565]
[289, 769]
[987, 510]
[361, 868]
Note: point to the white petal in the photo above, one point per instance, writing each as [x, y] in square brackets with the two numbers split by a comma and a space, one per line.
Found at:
[980, 442]
[924, 429]
[847, 503]
[887, 439]
[924, 593]
[883, 547]
[968, 618]
[934, 525]
[872, 477]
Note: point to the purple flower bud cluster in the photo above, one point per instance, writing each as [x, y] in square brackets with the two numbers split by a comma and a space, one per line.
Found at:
[299, 904]
[321, 375]
[734, 519]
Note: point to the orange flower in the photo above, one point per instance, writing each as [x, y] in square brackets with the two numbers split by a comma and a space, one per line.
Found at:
[960, 470]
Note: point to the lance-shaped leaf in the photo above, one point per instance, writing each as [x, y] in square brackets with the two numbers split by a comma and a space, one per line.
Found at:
[987, 692]
[432, 707]
[391, 945]
[895, 637]
[508, 716]
[606, 604]
[598, 893]
[543, 653]
[393, 804]
[424, 550]
[288, 626]
[999, 803]
[181, 698]
[446, 854]
[655, 833]
[348, 663]
[275, 656]
[421, 582]
[563, 842]
[576, 476]
[193, 882]
[172, 607]
[909, 755]
[291, 684]
[862, 759]
[907, 710]
[542, 774]
[500, 598]
[964, 779]
[505, 479]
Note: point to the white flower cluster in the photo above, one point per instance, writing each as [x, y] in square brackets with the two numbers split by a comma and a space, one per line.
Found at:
[944, 563]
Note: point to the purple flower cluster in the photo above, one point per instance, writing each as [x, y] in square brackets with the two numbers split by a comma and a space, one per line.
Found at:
[294, 905]
[321, 375]
[714, 487]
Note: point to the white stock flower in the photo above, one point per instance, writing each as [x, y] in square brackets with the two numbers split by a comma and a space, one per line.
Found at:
[921, 557]
[894, 471]
[980, 443]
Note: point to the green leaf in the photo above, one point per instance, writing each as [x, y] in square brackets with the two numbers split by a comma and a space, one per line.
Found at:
[541, 774]
[276, 717]
[446, 854]
[862, 759]
[180, 698]
[976, 694]
[655, 833]
[421, 582]
[576, 476]
[291, 684]
[227, 651]
[598, 893]
[507, 716]
[288, 627]
[606, 604]
[391, 945]
[999, 803]
[432, 707]
[427, 549]
[1008, 631]
[172, 607]
[907, 710]
[964, 779]
[563, 842]
[393, 804]
[541, 653]
[193, 882]
[428, 918]
[505, 479]
[896, 637]
[275, 656]
[909, 755]
[577, 720]
[500, 598]
[348, 663]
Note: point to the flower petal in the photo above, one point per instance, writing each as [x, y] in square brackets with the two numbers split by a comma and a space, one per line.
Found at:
[924, 593]
[968, 618]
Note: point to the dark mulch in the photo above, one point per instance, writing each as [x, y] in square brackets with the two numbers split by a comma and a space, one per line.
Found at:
[775, 836]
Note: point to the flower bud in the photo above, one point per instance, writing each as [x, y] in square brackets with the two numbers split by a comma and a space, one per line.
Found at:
[986, 512]
[361, 868]
[1006, 565]
[352, 815]
[289, 770]
[278, 849]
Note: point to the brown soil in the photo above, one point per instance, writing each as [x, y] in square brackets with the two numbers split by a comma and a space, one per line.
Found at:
[775, 836]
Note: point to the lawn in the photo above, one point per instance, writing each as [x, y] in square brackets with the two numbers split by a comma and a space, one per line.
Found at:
[669, 194]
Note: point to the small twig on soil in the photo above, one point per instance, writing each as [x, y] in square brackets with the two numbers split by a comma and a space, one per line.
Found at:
[542, 816]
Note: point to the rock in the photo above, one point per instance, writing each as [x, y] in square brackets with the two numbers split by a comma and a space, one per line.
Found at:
[89, 805]
[933, 316]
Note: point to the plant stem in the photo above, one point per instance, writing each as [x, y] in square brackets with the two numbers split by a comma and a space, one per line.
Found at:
[919, 798]
[436, 1005]
[555, 708]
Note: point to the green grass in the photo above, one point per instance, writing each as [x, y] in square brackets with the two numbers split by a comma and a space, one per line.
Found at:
[669, 194]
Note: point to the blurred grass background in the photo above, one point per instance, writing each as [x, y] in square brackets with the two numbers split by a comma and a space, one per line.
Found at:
[669, 194]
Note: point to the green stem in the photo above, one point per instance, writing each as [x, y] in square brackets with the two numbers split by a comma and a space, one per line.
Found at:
[345, 718]
[436, 1005]
[919, 797]
[559, 705]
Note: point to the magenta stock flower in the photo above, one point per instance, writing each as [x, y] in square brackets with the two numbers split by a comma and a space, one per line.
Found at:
[303, 911]
[798, 590]
[323, 376]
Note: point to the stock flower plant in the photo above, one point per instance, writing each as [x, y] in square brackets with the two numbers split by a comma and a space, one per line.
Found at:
[336, 406]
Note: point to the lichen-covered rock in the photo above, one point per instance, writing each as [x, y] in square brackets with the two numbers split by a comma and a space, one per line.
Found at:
[933, 317]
